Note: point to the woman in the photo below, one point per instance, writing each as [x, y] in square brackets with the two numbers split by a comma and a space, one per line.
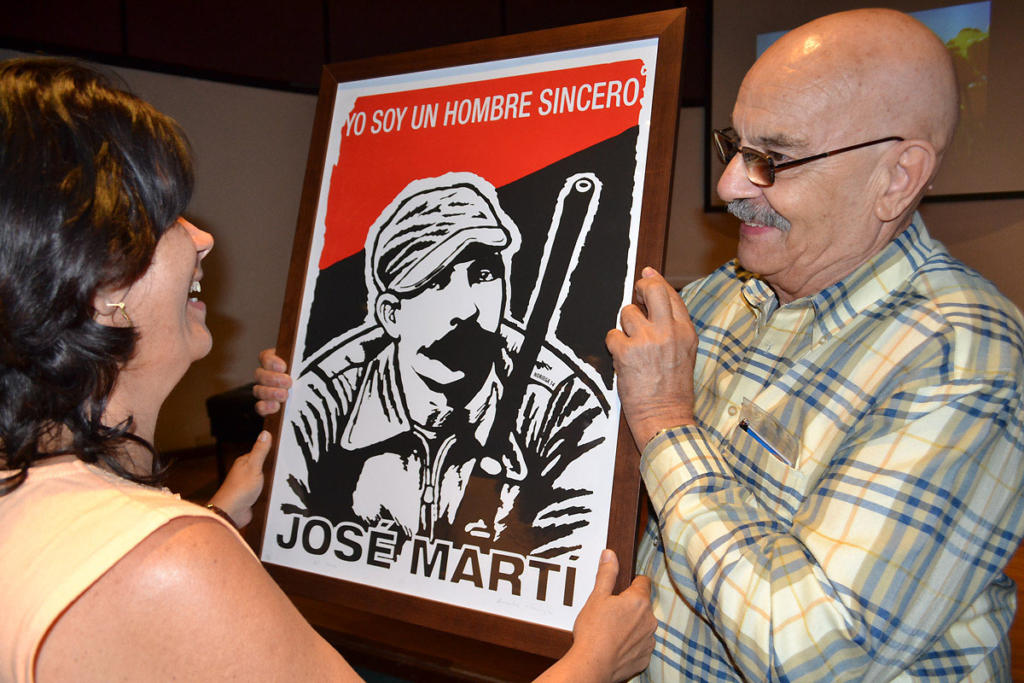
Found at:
[105, 575]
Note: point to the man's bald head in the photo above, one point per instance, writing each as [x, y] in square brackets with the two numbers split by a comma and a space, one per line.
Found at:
[876, 81]
[876, 72]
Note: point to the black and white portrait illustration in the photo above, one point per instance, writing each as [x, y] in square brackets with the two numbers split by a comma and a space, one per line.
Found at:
[442, 415]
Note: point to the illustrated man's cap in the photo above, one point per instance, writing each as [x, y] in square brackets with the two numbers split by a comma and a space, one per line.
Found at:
[428, 231]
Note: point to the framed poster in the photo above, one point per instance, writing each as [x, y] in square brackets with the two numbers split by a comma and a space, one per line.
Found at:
[452, 450]
[983, 39]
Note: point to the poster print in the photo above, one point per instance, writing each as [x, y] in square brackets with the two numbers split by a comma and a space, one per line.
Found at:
[451, 432]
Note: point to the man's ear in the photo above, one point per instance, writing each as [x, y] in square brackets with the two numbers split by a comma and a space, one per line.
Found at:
[909, 173]
[387, 308]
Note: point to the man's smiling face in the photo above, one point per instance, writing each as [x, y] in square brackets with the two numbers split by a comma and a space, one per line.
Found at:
[816, 224]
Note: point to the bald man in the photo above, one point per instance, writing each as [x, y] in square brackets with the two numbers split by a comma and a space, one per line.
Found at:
[831, 424]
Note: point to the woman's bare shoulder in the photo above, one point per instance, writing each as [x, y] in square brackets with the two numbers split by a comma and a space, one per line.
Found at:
[191, 602]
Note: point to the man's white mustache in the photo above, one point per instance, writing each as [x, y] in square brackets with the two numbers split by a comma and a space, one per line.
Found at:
[749, 212]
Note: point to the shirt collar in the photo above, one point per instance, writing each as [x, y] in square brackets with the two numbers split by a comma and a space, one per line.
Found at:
[839, 303]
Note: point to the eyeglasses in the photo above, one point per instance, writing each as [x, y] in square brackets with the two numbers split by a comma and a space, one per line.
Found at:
[761, 168]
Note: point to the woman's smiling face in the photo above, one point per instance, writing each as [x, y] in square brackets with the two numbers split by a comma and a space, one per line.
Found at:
[164, 307]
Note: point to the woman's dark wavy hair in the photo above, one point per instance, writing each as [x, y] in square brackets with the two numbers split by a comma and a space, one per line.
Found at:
[90, 179]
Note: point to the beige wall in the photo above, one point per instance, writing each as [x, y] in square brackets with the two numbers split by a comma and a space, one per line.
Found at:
[251, 146]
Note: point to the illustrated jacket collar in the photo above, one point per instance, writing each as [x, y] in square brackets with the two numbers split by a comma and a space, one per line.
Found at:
[379, 412]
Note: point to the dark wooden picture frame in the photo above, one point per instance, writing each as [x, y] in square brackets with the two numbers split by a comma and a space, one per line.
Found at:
[661, 32]
[978, 164]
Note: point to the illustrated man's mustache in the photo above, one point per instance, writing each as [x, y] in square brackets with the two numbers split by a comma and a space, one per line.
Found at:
[466, 344]
[762, 214]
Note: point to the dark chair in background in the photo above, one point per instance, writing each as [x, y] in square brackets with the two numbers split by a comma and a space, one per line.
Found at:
[234, 424]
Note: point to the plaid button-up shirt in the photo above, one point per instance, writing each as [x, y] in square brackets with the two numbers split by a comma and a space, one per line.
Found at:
[858, 528]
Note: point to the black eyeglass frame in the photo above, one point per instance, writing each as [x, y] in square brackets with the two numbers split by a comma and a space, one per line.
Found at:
[721, 137]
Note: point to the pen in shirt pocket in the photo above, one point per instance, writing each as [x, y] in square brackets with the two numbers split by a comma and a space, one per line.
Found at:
[745, 426]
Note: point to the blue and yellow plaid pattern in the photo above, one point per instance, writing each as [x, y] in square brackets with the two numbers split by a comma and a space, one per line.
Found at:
[872, 545]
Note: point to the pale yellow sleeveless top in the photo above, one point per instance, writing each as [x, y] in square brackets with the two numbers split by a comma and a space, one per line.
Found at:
[65, 526]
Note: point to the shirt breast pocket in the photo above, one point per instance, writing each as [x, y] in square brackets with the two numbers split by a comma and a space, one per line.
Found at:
[763, 458]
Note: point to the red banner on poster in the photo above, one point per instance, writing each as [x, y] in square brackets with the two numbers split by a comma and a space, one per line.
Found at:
[502, 129]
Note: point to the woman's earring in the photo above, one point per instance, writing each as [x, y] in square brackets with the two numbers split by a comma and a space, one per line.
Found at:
[120, 306]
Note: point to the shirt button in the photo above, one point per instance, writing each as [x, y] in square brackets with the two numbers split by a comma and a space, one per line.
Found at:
[733, 410]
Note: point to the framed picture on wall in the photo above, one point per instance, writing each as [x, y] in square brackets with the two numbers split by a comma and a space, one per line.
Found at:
[452, 451]
[984, 42]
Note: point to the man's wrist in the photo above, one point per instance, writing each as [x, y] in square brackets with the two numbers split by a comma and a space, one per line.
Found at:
[658, 433]
[645, 430]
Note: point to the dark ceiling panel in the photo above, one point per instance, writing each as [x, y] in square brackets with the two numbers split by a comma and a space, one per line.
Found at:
[80, 25]
[284, 44]
[367, 28]
[259, 39]
[531, 15]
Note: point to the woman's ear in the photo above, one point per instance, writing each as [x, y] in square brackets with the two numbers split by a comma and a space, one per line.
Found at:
[387, 307]
[110, 307]
[909, 173]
